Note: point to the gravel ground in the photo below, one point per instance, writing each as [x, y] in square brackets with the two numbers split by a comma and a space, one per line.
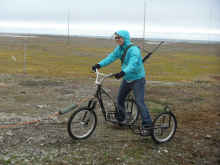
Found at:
[26, 98]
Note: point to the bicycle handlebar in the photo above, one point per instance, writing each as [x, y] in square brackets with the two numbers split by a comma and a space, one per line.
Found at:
[100, 74]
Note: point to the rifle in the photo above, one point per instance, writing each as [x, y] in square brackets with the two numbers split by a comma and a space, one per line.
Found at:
[147, 56]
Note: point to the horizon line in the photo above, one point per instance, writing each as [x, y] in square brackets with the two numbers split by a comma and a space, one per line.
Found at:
[98, 36]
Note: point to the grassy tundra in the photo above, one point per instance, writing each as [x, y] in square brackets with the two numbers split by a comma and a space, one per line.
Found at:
[172, 61]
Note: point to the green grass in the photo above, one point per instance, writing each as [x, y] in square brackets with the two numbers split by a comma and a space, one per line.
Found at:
[156, 109]
[181, 67]
[61, 59]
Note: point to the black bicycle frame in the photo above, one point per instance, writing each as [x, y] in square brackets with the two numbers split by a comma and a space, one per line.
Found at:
[98, 97]
[99, 93]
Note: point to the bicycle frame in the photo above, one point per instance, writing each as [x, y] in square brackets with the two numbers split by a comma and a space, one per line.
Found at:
[98, 96]
[88, 113]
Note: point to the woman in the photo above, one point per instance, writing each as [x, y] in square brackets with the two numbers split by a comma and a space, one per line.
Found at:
[132, 71]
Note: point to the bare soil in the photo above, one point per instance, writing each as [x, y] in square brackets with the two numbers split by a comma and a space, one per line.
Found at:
[27, 98]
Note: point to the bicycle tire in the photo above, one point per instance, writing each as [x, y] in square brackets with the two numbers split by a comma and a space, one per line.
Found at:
[80, 126]
[131, 108]
[162, 133]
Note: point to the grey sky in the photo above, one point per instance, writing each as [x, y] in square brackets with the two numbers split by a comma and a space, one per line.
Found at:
[183, 19]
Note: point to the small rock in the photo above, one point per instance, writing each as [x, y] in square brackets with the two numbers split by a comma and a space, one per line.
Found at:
[6, 157]
[53, 141]
[27, 161]
[9, 134]
[208, 136]
[197, 81]
[43, 138]
[125, 146]
[40, 106]
[206, 162]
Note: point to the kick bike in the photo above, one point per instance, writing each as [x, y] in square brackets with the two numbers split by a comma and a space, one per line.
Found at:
[83, 121]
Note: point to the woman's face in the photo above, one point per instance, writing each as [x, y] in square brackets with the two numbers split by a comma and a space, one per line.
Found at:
[120, 41]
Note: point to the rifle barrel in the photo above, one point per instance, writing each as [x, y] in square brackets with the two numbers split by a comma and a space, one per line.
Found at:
[148, 55]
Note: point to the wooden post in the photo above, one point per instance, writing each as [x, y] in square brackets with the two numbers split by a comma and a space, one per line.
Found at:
[25, 42]
[144, 24]
[68, 28]
[209, 29]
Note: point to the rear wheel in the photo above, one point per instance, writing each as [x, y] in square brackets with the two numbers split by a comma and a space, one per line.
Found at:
[131, 109]
[165, 125]
[82, 123]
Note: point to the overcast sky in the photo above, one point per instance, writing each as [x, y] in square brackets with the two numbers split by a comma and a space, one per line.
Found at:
[166, 19]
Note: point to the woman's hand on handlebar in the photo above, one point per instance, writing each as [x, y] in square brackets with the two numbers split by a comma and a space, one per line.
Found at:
[119, 75]
[96, 66]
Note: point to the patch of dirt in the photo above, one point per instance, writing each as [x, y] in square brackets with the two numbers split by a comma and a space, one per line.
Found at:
[4, 85]
[215, 77]
[28, 98]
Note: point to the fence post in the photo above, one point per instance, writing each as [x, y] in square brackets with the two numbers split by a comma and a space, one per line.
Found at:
[25, 42]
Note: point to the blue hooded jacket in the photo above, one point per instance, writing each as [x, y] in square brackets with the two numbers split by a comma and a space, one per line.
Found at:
[132, 64]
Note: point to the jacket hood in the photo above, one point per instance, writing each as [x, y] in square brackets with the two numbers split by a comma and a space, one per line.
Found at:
[125, 34]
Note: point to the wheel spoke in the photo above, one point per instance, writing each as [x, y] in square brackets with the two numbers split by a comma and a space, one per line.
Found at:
[82, 123]
[131, 109]
[165, 127]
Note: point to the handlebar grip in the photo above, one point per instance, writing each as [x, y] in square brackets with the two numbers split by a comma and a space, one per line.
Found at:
[112, 75]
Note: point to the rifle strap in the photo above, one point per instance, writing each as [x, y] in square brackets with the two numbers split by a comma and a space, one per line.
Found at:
[123, 56]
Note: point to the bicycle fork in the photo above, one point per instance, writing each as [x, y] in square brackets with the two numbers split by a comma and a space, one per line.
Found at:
[90, 114]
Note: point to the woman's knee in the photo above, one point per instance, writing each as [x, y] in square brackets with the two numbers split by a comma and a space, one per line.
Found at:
[139, 101]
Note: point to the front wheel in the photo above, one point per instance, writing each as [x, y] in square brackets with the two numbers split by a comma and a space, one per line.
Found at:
[82, 123]
[165, 125]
